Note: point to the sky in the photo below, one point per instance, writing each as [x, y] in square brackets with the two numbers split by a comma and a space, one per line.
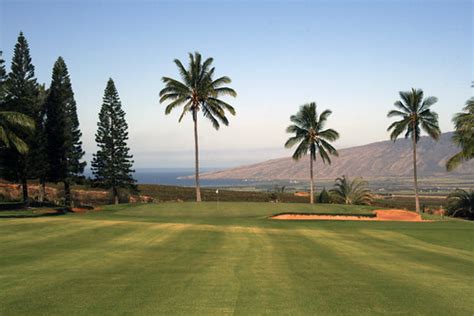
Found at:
[348, 56]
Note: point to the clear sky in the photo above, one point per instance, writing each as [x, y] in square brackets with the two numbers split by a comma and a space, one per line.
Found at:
[349, 56]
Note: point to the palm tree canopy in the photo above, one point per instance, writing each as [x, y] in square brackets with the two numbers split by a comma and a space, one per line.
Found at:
[416, 116]
[463, 135]
[310, 134]
[461, 203]
[351, 192]
[10, 124]
[198, 90]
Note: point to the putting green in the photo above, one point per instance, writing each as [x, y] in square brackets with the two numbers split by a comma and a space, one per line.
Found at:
[185, 258]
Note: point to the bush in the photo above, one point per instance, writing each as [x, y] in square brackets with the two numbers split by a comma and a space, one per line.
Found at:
[323, 197]
[461, 204]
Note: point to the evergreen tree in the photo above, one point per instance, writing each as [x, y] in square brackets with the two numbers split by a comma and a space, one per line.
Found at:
[3, 78]
[324, 197]
[112, 163]
[11, 123]
[38, 158]
[21, 96]
[64, 146]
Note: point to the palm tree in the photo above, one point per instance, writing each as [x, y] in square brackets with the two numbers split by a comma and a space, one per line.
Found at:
[311, 136]
[198, 91]
[416, 115]
[463, 136]
[10, 124]
[461, 203]
[351, 192]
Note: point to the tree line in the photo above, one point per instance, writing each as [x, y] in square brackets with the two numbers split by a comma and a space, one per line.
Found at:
[55, 150]
[41, 135]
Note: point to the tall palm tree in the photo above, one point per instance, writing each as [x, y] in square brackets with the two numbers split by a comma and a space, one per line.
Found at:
[416, 116]
[351, 192]
[311, 136]
[10, 124]
[198, 91]
[463, 136]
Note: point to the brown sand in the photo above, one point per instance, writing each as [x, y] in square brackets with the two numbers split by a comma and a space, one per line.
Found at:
[381, 215]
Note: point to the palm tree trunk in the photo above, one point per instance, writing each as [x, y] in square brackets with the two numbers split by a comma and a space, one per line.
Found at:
[196, 156]
[24, 186]
[415, 177]
[311, 186]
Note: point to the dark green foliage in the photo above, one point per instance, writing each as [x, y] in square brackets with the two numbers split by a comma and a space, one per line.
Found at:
[11, 122]
[324, 197]
[112, 164]
[463, 136]
[416, 115]
[3, 79]
[21, 96]
[351, 192]
[37, 156]
[64, 146]
[311, 137]
[172, 193]
[21, 83]
[198, 91]
[310, 134]
[461, 204]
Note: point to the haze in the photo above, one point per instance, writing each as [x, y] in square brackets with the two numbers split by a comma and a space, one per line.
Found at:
[349, 56]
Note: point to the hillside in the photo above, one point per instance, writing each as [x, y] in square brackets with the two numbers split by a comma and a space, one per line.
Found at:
[380, 159]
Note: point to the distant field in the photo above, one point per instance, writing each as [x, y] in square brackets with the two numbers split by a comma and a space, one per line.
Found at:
[161, 193]
[229, 258]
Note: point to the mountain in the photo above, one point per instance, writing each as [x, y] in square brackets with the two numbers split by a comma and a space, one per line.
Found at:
[380, 159]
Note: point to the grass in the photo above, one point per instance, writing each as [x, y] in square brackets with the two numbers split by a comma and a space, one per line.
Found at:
[31, 212]
[185, 258]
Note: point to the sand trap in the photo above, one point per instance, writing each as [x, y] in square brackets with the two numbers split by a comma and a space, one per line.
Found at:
[381, 215]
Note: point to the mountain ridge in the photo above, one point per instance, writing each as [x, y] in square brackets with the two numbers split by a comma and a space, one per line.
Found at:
[378, 159]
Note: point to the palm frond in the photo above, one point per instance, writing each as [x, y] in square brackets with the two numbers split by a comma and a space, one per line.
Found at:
[329, 134]
[351, 192]
[396, 113]
[223, 104]
[225, 91]
[307, 130]
[397, 128]
[198, 91]
[174, 104]
[301, 150]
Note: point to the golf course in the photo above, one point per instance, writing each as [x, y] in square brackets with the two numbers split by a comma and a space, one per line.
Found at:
[232, 258]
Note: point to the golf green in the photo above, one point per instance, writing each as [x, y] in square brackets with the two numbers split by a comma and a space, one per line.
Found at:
[229, 258]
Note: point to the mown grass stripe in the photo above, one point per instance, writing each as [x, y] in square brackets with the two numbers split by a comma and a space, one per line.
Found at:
[419, 282]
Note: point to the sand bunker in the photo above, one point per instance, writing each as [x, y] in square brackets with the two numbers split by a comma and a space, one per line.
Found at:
[380, 215]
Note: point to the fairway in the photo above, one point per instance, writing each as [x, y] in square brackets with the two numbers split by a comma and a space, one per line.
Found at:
[229, 258]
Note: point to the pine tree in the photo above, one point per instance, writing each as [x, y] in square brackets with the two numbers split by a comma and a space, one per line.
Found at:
[3, 78]
[112, 163]
[64, 146]
[38, 158]
[21, 95]
[324, 197]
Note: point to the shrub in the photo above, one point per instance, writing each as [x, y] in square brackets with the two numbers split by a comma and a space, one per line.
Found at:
[460, 203]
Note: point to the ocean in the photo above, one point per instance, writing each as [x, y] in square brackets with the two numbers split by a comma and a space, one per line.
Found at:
[170, 176]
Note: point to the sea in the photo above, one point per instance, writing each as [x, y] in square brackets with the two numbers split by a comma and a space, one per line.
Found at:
[178, 176]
